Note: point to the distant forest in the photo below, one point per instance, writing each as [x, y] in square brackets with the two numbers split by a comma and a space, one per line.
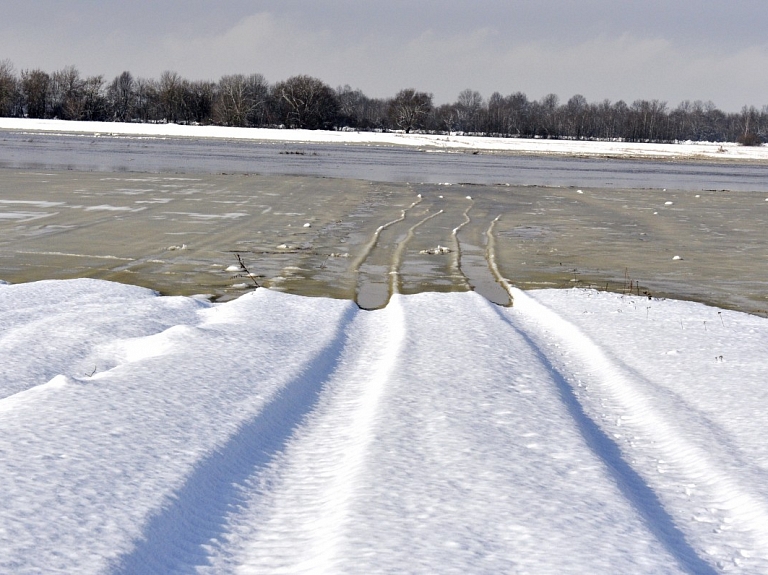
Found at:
[307, 102]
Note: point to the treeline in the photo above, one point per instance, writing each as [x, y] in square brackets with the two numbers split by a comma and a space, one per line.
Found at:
[306, 102]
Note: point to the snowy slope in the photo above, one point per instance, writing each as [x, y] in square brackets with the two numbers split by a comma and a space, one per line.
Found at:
[684, 150]
[578, 432]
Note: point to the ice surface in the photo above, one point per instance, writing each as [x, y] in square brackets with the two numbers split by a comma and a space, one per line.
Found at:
[577, 432]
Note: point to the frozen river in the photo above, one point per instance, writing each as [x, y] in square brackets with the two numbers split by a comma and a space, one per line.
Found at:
[373, 163]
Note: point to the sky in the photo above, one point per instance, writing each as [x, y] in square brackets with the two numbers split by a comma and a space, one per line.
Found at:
[602, 49]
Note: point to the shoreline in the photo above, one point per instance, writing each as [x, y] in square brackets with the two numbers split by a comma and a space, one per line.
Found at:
[691, 152]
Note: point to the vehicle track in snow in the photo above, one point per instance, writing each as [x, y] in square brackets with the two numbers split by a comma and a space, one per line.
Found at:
[714, 496]
[306, 494]
[372, 294]
[176, 538]
[397, 256]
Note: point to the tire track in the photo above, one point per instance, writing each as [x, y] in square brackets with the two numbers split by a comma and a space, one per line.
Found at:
[478, 265]
[490, 254]
[717, 491]
[397, 256]
[311, 489]
[457, 244]
[363, 298]
[365, 252]
[175, 539]
[330, 527]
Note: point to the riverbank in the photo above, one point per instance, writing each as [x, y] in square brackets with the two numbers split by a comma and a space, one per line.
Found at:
[684, 151]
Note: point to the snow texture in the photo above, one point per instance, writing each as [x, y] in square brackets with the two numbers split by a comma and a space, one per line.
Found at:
[577, 432]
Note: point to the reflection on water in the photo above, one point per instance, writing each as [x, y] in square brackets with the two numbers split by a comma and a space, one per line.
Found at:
[365, 240]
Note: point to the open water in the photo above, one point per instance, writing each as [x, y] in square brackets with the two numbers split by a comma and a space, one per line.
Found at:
[379, 164]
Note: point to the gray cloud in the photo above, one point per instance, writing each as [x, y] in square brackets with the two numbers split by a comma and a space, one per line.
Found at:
[688, 49]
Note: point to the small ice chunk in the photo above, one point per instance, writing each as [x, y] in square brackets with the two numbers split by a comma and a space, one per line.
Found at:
[233, 268]
[668, 203]
[698, 196]
[436, 251]
[469, 197]
[677, 258]
[579, 192]
[307, 225]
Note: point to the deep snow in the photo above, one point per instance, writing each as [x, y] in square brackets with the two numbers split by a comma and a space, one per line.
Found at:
[577, 432]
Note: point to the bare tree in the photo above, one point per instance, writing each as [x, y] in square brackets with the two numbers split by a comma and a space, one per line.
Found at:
[199, 98]
[233, 103]
[170, 95]
[446, 118]
[66, 94]
[351, 106]
[550, 117]
[305, 102]
[576, 114]
[241, 100]
[259, 94]
[409, 109]
[35, 86]
[147, 100]
[94, 99]
[469, 107]
[8, 88]
[121, 97]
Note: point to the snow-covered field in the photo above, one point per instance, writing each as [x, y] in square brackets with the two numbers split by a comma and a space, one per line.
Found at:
[679, 151]
[577, 432]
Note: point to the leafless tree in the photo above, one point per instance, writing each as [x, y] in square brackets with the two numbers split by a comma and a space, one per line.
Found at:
[409, 109]
[8, 88]
[550, 125]
[305, 102]
[199, 97]
[35, 87]
[231, 107]
[147, 100]
[66, 94]
[94, 99]
[121, 97]
[469, 107]
[170, 95]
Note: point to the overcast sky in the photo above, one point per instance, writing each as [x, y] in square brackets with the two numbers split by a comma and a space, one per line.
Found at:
[669, 50]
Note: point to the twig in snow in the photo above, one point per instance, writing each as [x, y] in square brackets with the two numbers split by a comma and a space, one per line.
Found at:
[246, 271]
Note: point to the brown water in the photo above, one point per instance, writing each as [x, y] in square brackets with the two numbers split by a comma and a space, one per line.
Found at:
[365, 240]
